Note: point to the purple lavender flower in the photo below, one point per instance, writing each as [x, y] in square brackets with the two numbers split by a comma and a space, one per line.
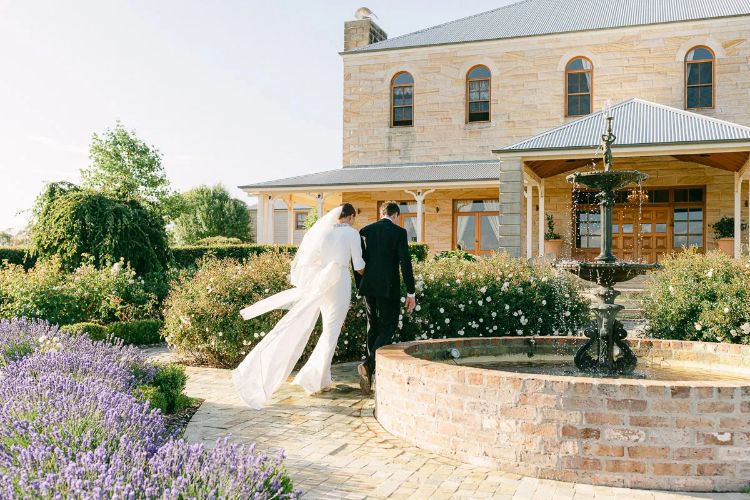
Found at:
[20, 337]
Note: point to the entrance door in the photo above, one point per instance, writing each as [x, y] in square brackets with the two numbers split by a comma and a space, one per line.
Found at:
[655, 235]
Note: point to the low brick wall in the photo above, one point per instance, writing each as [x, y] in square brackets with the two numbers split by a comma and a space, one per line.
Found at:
[692, 436]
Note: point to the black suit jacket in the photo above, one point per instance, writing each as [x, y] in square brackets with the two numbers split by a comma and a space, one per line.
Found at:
[385, 248]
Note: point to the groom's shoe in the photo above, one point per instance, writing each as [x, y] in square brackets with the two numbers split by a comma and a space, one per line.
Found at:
[365, 383]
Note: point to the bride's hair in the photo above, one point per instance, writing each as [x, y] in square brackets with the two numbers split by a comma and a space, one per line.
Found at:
[347, 209]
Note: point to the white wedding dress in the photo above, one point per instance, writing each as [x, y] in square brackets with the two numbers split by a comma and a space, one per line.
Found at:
[322, 285]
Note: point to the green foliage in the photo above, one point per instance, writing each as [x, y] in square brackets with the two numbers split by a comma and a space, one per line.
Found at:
[723, 228]
[550, 233]
[165, 390]
[126, 168]
[47, 291]
[218, 241]
[419, 251]
[18, 256]
[699, 297]
[138, 332]
[211, 211]
[455, 254]
[186, 257]
[487, 297]
[15, 351]
[95, 331]
[80, 223]
[311, 219]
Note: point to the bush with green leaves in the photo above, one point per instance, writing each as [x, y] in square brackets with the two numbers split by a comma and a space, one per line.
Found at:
[210, 211]
[216, 241]
[187, 257]
[137, 332]
[496, 296]
[165, 391]
[79, 225]
[48, 291]
[699, 297]
[17, 255]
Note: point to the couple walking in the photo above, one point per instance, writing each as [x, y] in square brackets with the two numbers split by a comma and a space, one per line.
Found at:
[322, 286]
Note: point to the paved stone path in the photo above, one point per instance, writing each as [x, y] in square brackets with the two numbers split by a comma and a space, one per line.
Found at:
[336, 449]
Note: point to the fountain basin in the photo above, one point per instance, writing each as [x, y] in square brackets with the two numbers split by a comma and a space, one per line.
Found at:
[690, 435]
[607, 180]
[606, 273]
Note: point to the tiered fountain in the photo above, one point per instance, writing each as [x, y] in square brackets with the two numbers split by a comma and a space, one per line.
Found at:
[606, 351]
[678, 422]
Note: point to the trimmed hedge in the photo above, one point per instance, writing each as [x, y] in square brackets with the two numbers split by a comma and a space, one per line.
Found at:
[165, 390]
[139, 332]
[19, 256]
[419, 251]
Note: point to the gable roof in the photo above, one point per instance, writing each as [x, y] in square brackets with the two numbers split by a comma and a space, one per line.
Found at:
[636, 123]
[480, 170]
[543, 17]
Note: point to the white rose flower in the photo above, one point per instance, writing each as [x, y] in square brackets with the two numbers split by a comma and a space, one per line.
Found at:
[698, 326]
[507, 307]
[567, 313]
[418, 308]
[479, 302]
[447, 320]
[442, 310]
[519, 332]
[726, 310]
[483, 290]
[745, 328]
[710, 273]
[544, 302]
[488, 299]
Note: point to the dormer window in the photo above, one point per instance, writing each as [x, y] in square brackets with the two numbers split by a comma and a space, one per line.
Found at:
[579, 82]
[699, 78]
[478, 94]
[402, 100]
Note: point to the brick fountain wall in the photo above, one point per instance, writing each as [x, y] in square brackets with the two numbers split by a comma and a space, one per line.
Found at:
[692, 436]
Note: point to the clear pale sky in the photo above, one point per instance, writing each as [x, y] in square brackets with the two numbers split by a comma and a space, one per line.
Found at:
[231, 92]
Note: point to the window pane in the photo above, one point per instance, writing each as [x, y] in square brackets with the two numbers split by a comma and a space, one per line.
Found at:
[407, 207]
[473, 107]
[696, 214]
[410, 224]
[661, 228]
[479, 72]
[659, 196]
[695, 241]
[692, 97]
[615, 228]
[583, 82]
[627, 228]
[594, 242]
[490, 236]
[402, 79]
[585, 105]
[484, 85]
[573, 105]
[699, 53]
[696, 194]
[573, 83]
[466, 232]
[485, 106]
[398, 114]
[680, 227]
[706, 72]
[408, 92]
[706, 97]
[680, 241]
[484, 95]
[693, 71]
[646, 228]
[681, 196]
[407, 114]
[477, 205]
[474, 95]
[579, 64]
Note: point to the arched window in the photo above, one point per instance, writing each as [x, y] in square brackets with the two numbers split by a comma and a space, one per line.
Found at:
[478, 94]
[579, 83]
[699, 78]
[402, 100]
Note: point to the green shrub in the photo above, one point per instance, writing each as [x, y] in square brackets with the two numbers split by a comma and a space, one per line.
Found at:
[455, 254]
[18, 256]
[138, 332]
[419, 251]
[214, 241]
[49, 292]
[699, 297]
[185, 257]
[489, 297]
[165, 390]
[93, 330]
[80, 223]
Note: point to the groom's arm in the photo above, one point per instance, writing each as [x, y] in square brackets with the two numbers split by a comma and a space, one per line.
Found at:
[405, 261]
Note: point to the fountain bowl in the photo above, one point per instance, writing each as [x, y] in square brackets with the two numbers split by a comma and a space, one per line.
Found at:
[605, 273]
[607, 180]
[687, 435]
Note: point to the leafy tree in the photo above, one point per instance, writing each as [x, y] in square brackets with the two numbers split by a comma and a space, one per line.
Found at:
[124, 167]
[311, 219]
[209, 211]
[5, 238]
[81, 223]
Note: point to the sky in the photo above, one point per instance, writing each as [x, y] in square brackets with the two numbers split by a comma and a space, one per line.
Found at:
[231, 92]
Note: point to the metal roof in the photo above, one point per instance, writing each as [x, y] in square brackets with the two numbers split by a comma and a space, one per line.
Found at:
[480, 170]
[636, 123]
[542, 17]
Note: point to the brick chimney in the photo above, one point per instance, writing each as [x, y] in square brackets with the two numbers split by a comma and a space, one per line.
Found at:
[362, 31]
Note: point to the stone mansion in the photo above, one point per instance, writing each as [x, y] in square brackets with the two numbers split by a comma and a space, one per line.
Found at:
[474, 124]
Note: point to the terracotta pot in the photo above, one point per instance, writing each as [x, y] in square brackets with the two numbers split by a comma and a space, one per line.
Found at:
[552, 248]
[726, 245]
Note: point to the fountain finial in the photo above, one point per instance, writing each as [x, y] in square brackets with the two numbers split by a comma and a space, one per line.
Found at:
[608, 138]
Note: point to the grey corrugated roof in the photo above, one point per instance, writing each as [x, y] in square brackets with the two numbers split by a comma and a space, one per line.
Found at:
[541, 17]
[390, 174]
[636, 123]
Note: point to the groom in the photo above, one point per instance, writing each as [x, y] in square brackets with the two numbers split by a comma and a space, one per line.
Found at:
[385, 249]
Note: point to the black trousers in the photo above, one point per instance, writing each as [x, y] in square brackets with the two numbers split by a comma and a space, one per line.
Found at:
[382, 320]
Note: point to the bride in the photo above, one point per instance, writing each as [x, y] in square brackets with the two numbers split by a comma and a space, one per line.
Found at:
[322, 285]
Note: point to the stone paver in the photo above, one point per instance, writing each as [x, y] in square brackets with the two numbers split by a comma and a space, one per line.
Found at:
[336, 449]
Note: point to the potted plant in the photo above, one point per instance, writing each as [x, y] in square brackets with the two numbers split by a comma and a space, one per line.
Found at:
[724, 235]
[552, 240]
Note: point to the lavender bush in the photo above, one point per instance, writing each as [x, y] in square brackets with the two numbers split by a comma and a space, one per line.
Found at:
[71, 426]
